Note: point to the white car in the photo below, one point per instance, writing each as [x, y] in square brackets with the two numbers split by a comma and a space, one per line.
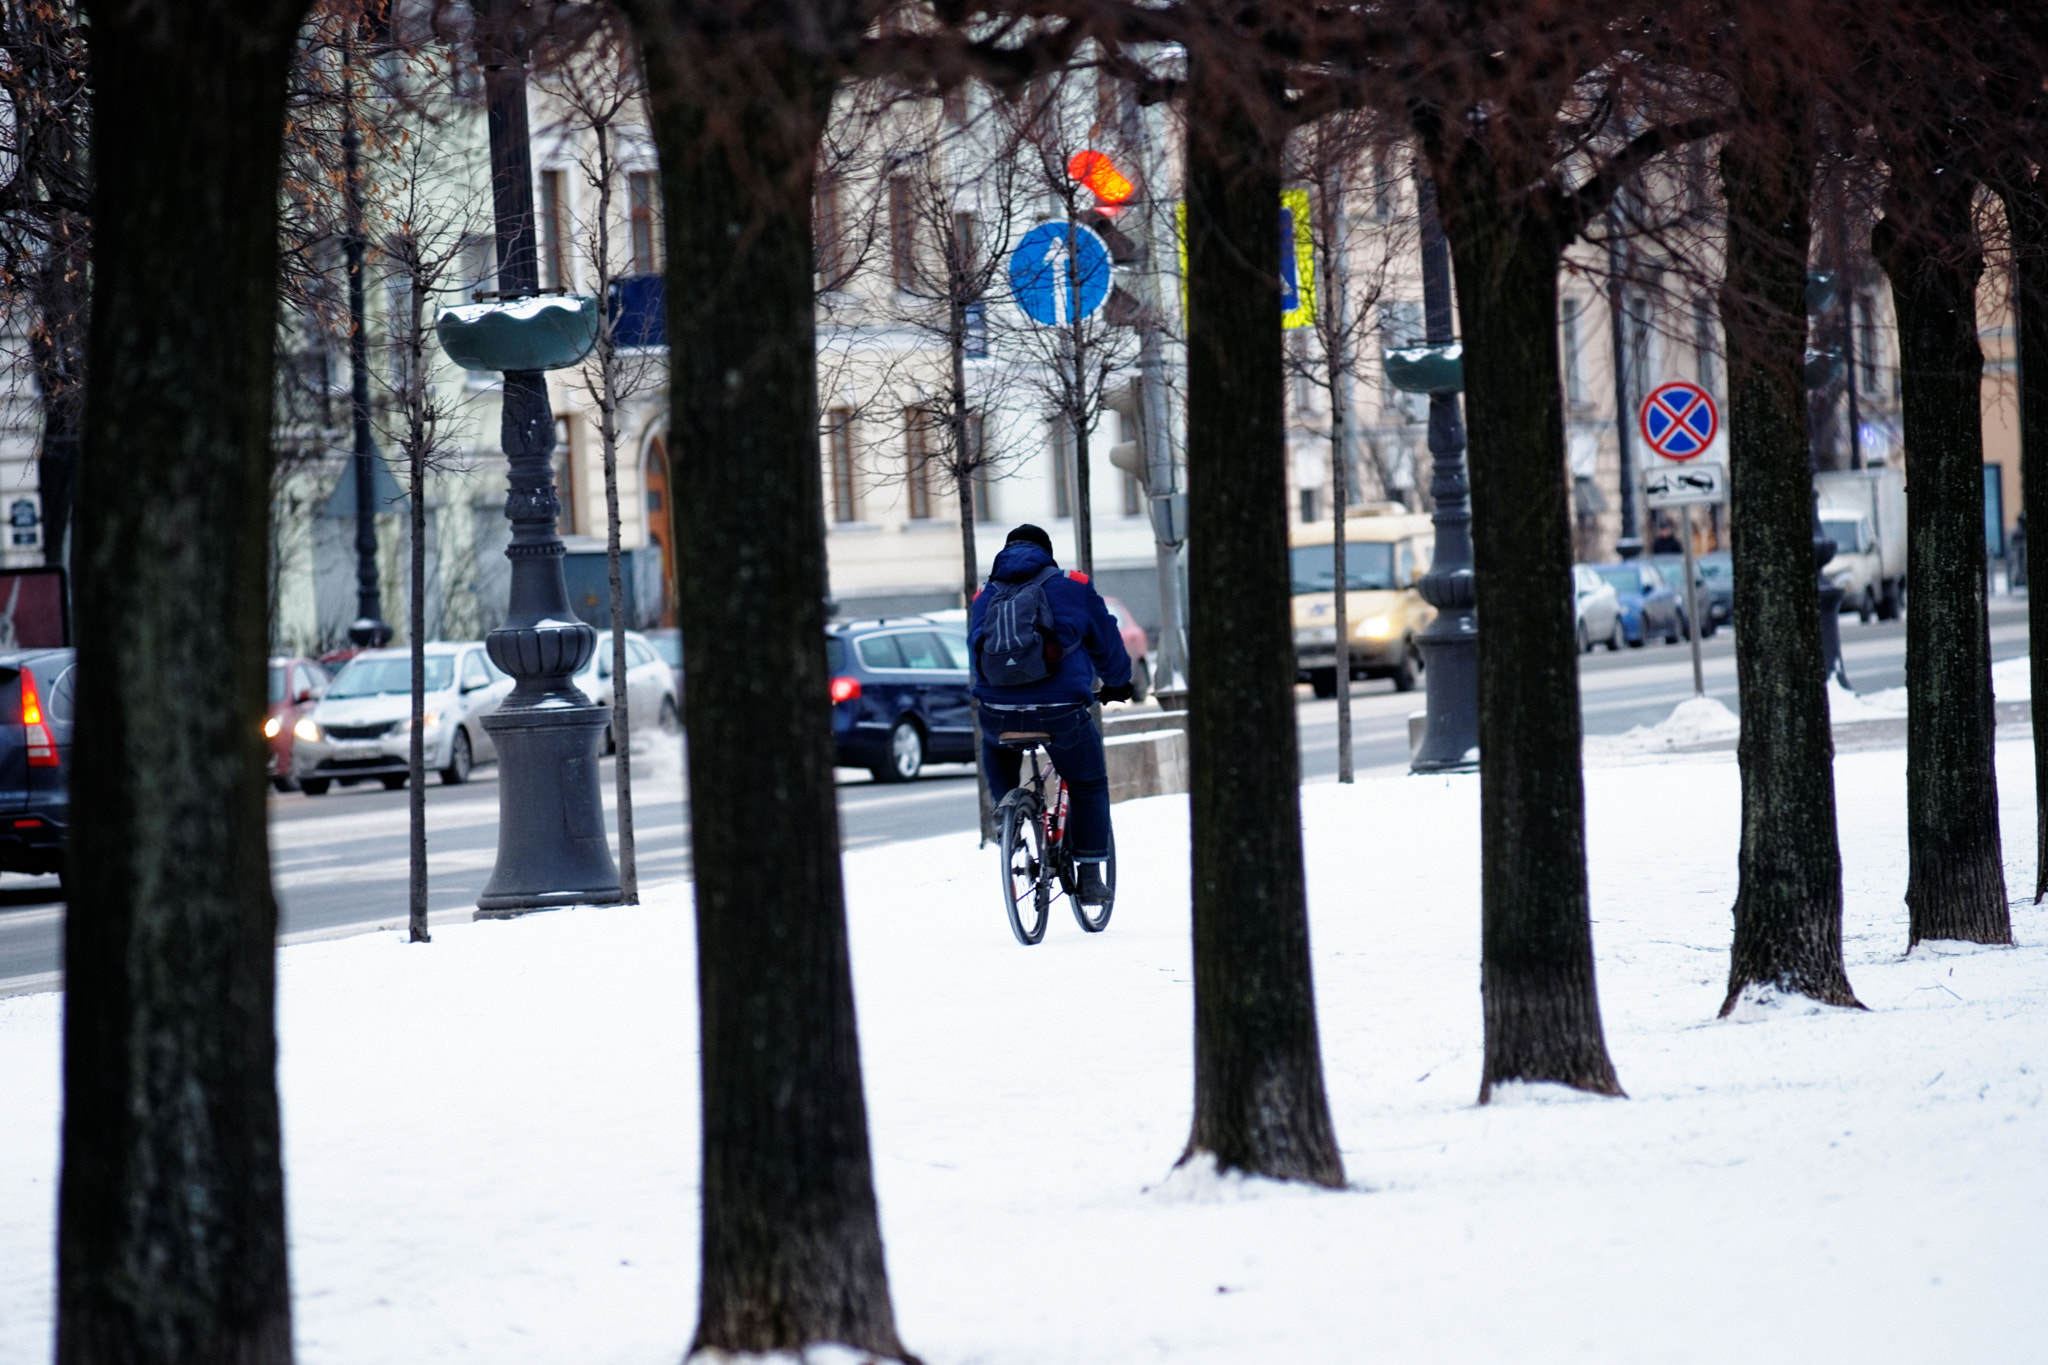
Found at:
[650, 685]
[1596, 610]
[362, 728]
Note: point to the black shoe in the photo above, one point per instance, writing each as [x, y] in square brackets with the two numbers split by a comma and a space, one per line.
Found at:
[1094, 887]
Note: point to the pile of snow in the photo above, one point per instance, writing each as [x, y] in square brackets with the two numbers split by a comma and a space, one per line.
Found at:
[1695, 721]
[2013, 679]
[1846, 707]
[492, 1140]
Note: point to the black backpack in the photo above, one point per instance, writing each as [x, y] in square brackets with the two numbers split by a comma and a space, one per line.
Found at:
[1018, 646]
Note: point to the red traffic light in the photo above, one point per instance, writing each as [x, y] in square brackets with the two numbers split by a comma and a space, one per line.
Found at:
[1110, 186]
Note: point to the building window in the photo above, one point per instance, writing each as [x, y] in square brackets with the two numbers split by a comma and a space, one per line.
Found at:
[902, 232]
[1385, 192]
[554, 230]
[839, 437]
[1109, 102]
[966, 250]
[918, 462]
[953, 104]
[1570, 310]
[1866, 345]
[977, 460]
[1705, 344]
[828, 227]
[1311, 504]
[643, 210]
[565, 477]
[1062, 471]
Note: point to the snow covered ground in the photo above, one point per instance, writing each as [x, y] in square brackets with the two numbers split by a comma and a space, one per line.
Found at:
[492, 1139]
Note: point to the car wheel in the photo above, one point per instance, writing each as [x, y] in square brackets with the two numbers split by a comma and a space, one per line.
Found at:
[1614, 637]
[1890, 600]
[1405, 672]
[671, 720]
[284, 784]
[1678, 630]
[393, 781]
[313, 786]
[1867, 608]
[1323, 681]
[906, 754]
[1585, 641]
[460, 761]
[1141, 679]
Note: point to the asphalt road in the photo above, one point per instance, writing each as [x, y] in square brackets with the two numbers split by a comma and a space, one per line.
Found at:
[340, 859]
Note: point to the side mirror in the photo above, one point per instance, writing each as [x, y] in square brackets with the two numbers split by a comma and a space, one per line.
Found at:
[305, 695]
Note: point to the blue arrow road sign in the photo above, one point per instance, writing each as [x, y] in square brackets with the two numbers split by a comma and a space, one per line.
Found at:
[1059, 274]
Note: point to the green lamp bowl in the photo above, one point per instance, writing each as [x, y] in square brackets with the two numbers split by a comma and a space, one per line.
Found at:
[1426, 369]
[547, 332]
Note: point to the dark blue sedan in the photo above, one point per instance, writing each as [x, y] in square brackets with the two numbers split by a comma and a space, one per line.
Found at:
[1649, 605]
[900, 696]
[38, 697]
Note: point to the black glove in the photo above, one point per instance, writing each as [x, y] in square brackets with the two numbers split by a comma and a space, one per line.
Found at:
[1106, 693]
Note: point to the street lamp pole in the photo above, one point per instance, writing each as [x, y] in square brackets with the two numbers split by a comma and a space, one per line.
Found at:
[1450, 645]
[368, 630]
[551, 841]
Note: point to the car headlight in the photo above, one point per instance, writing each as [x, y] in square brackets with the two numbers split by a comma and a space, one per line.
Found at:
[272, 725]
[307, 730]
[427, 722]
[1376, 627]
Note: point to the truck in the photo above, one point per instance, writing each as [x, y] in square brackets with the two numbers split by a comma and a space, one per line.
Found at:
[1864, 512]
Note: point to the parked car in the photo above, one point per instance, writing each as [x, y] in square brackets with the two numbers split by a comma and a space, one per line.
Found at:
[1649, 606]
[1386, 552]
[1713, 611]
[1718, 568]
[668, 643]
[295, 686]
[650, 690]
[1137, 644]
[38, 695]
[362, 728]
[1596, 610]
[900, 695]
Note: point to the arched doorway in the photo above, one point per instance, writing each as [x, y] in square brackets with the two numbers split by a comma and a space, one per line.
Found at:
[660, 529]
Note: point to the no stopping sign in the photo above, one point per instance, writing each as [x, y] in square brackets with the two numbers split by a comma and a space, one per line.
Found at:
[1678, 420]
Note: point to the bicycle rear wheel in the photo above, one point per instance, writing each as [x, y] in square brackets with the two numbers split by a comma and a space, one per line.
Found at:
[1022, 841]
[1095, 918]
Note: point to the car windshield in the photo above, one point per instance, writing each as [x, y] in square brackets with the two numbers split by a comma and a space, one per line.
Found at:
[277, 676]
[1844, 531]
[378, 677]
[1624, 579]
[1368, 566]
[669, 647]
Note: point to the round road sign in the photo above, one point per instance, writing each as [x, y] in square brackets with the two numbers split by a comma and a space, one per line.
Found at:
[1679, 420]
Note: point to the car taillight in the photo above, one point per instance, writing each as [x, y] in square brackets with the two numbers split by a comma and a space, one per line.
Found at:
[843, 689]
[42, 745]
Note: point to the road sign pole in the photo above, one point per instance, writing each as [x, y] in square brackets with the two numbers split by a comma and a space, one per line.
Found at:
[1692, 606]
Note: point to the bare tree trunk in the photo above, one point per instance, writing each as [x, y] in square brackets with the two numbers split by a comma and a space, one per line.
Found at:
[416, 793]
[1335, 362]
[1260, 1105]
[2026, 210]
[1788, 901]
[792, 1247]
[1955, 884]
[608, 434]
[1542, 1009]
[171, 1236]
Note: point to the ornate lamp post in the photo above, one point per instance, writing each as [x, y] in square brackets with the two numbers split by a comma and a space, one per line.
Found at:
[551, 841]
[1450, 646]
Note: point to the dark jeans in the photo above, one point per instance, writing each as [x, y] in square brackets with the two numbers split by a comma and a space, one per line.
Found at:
[1076, 751]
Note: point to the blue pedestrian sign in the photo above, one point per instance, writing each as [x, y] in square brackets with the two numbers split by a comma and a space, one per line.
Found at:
[1060, 274]
[1679, 420]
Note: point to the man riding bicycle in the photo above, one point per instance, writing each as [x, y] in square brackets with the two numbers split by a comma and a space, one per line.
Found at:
[1039, 639]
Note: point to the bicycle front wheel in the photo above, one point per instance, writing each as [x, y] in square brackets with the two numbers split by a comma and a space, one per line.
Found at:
[1095, 918]
[1023, 851]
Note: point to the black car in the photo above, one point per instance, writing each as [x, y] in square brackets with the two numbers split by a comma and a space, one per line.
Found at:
[38, 697]
[900, 696]
[1713, 583]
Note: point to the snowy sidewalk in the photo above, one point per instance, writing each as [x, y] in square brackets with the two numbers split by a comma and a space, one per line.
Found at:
[491, 1140]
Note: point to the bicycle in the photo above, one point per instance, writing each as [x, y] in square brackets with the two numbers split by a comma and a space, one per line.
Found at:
[1038, 862]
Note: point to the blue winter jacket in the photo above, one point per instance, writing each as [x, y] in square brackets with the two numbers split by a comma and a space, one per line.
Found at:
[1090, 643]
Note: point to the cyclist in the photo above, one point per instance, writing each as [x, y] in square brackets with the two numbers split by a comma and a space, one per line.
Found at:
[1078, 640]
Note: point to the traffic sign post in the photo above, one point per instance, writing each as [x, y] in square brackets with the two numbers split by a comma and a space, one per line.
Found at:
[1679, 420]
[1060, 274]
[1682, 486]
